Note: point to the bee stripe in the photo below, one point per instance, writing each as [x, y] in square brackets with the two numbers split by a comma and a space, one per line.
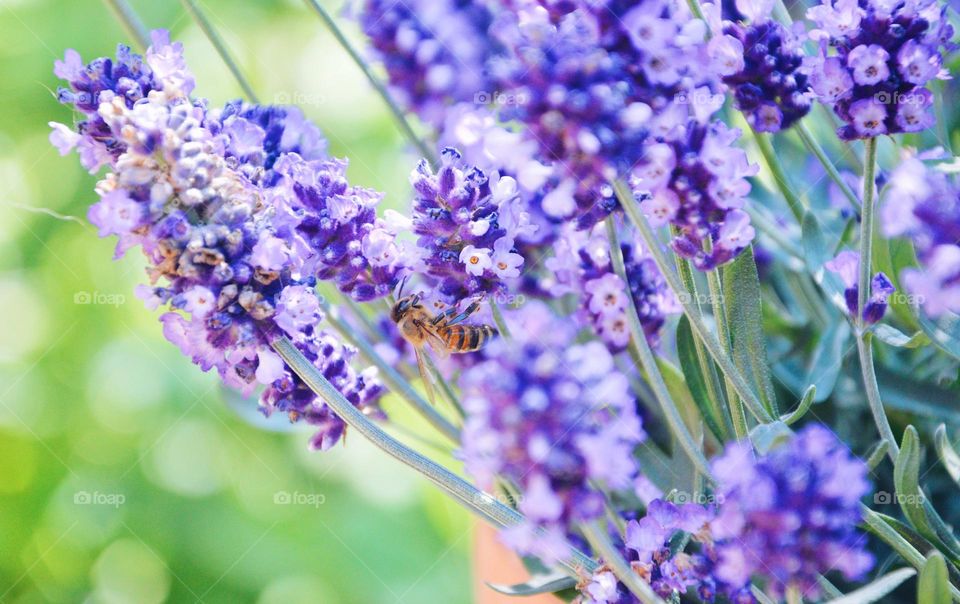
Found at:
[456, 337]
[476, 338]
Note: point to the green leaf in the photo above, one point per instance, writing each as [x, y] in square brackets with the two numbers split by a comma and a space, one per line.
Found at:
[816, 253]
[934, 584]
[948, 455]
[945, 332]
[741, 286]
[877, 589]
[767, 436]
[906, 474]
[877, 453]
[895, 337]
[827, 359]
[538, 584]
[690, 366]
[921, 398]
[803, 407]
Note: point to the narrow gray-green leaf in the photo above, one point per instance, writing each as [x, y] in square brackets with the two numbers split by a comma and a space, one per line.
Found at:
[944, 332]
[877, 589]
[766, 437]
[877, 453]
[741, 286]
[894, 337]
[690, 366]
[538, 584]
[827, 359]
[906, 475]
[948, 455]
[805, 401]
[933, 587]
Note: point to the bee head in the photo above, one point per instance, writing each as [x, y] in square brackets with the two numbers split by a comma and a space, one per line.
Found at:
[403, 306]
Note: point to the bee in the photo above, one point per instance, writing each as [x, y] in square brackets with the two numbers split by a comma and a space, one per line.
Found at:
[445, 332]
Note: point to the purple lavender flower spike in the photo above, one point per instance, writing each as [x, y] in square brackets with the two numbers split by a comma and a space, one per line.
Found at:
[698, 184]
[552, 417]
[762, 63]
[884, 56]
[847, 266]
[466, 248]
[770, 519]
[433, 51]
[923, 203]
[238, 212]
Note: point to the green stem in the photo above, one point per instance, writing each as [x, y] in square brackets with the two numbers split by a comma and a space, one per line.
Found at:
[638, 341]
[220, 46]
[131, 22]
[441, 381]
[395, 110]
[729, 369]
[392, 378]
[498, 320]
[479, 502]
[779, 175]
[814, 147]
[864, 348]
[598, 539]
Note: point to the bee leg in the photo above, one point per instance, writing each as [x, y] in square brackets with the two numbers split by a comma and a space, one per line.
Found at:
[469, 310]
[443, 315]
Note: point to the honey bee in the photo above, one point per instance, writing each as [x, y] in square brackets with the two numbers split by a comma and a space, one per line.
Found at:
[445, 332]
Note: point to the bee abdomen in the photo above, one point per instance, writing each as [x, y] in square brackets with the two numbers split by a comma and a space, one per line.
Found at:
[467, 338]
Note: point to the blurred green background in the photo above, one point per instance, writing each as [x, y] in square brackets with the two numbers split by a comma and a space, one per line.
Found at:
[126, 474]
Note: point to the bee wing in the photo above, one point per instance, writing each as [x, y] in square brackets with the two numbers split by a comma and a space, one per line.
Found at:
[425, 376]
[437, 343]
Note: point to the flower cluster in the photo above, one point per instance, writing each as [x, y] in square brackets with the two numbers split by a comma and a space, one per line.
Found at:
[698, 184]
[433, 51]
[466, 247]
[591, 81]
[581, 265]
[785, 518]
[885, 54]
[552, 418]
[237, 211]
[847, 266]
[761, 62]
[790, 515]
[924, 204]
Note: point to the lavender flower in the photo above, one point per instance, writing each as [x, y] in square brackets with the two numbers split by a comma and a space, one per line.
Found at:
[698, 184]
[790, 515]
[923, 204]
[551, 423]
[591, 84]
[847, 266]
[236, 225]
[466, 246]
[761, 62]
[885, 54]
[433, 51]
